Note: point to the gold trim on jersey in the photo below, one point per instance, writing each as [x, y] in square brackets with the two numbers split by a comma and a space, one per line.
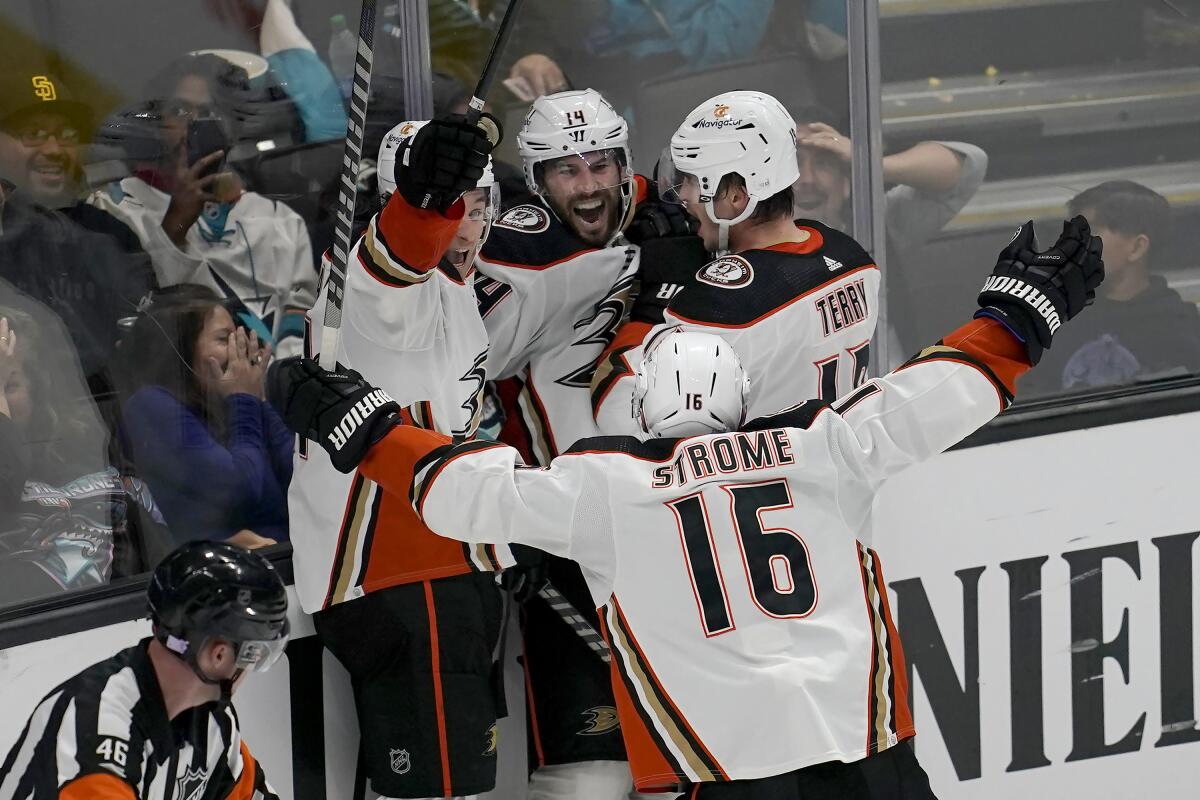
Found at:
[881, 722]
[383, 265]
[348, 561]
[541, 441]
[656, 704]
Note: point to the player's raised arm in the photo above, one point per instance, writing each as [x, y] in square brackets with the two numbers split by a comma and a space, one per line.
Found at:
[955, 386]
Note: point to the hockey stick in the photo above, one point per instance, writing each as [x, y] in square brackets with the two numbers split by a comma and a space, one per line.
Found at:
[583, 629]
[356, 125]
[355, 129]
[475, 105]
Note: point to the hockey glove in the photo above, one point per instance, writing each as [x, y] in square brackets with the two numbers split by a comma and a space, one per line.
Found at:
[446, 158]
[1032, 292]
[672, 253]
[527, 577]
[338, 410]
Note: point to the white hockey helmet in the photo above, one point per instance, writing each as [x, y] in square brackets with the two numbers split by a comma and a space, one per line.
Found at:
[689, 384]
[573, 123]
[746, 133]
[396, 140]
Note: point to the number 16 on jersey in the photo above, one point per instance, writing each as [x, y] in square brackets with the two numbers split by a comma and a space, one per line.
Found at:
[775, 561]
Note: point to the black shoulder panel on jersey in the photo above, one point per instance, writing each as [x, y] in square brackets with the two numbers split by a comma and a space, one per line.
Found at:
[649, 450]
[530, 236]
[798, 416]
[735, 291]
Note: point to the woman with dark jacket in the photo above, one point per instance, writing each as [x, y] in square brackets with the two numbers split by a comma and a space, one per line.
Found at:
[216, 456]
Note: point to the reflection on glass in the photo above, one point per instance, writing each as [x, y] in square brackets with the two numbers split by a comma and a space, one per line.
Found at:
[1107, 128]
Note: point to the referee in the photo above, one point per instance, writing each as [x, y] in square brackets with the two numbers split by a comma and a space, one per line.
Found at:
[154, 722]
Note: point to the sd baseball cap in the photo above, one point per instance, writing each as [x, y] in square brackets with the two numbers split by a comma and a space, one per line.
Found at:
[23, 91]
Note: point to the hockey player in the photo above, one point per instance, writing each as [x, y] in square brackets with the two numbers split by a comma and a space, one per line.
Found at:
[154, 722]
[366, 567]
[795, 300]
[558, 276]
[782, 680]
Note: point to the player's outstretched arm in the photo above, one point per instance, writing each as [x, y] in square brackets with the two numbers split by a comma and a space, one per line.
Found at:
[470, 491]
[953, 387]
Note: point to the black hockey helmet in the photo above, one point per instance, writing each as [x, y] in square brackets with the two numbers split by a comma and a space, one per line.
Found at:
[206, 590]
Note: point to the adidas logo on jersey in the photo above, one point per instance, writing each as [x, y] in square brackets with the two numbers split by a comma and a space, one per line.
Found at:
[355, 417]
[833, 264]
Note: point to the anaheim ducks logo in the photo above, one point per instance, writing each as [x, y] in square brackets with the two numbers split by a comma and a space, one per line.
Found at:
[720, 111]
[601, 719]
[407, 128]
[491, 739]
[730, 272]
[525, 219]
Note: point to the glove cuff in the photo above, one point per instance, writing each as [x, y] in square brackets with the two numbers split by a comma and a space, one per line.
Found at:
[1018, 325]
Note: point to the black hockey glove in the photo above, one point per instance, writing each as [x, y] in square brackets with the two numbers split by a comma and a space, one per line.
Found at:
[1034, 291]
[672, 253]
[446, 158]
[338, 410]
[528, 576]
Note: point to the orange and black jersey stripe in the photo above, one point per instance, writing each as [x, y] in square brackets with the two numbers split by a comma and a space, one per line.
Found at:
[104, 734]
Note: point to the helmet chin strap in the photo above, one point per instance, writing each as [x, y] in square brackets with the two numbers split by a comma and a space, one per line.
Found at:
[225, 684]
[723, 225]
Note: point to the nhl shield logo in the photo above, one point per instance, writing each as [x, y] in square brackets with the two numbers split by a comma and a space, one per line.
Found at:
[730, 272]
[190, 785]
[526, 219]
[401, 761]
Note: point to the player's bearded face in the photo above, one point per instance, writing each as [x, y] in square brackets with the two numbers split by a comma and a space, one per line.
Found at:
[40, 154]
[585, 191]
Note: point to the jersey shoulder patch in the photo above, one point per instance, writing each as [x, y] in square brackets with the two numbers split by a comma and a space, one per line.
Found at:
[525, 219]
[727, 272]
[766, 280]
[530, 236]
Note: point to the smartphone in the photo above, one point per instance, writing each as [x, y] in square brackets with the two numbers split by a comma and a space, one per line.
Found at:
[204, 136]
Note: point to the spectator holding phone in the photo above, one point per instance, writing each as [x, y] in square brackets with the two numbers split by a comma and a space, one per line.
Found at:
[194, 215]
[216, 456]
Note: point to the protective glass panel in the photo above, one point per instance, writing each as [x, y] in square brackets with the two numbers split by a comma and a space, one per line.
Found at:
[984, 132]
[168, 176]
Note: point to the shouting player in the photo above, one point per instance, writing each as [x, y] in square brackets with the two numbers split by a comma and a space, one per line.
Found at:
[784, 679]
[558, 276]
[411, 616]
[795, 300]
[154, 722]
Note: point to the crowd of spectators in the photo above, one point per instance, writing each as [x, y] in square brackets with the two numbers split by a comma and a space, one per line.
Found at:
[149, 272]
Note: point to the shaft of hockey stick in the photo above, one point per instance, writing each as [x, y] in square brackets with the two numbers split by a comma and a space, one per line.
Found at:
[475, 106]
[570, 615]
[356, 125]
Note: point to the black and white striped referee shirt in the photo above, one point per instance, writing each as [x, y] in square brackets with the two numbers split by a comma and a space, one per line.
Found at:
[104, 735]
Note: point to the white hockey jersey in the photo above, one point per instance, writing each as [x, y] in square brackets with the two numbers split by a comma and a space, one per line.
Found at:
[747, 614]
[799, 315]
[410, 325]
[256, 251]
[551, 305]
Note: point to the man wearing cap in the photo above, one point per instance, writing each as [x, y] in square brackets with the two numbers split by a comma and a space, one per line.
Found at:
[42, 128]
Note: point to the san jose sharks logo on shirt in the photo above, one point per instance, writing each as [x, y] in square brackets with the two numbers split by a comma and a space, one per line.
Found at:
[212, 221]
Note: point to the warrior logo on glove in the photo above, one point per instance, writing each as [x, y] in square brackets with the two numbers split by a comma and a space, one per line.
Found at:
[353, 418]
